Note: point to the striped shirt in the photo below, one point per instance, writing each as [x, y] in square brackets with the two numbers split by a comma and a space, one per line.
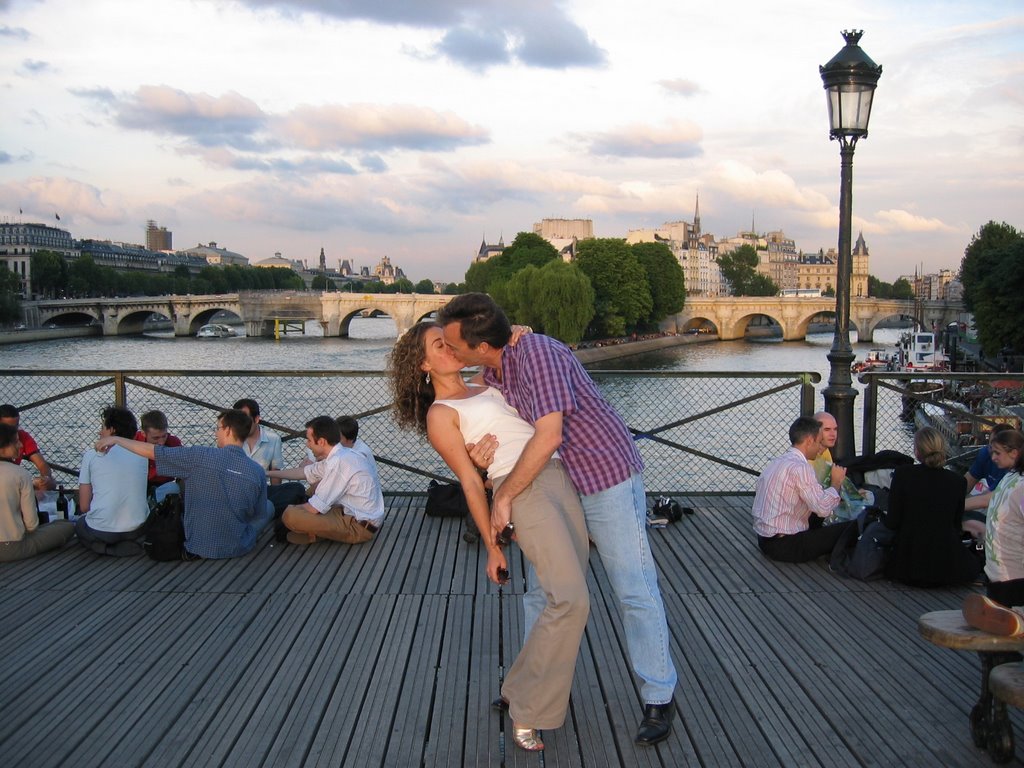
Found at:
[1004, 530]
[787, 494]
[540, 375]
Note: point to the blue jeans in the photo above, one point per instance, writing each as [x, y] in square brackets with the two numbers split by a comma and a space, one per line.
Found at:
[617, 523]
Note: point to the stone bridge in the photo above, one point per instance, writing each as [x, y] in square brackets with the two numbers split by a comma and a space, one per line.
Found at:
[257, 309]
[730, 315]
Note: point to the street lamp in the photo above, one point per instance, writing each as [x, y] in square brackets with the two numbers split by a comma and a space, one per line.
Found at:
[850, 79]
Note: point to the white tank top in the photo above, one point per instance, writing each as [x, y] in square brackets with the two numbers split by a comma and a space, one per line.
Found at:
[486, 412]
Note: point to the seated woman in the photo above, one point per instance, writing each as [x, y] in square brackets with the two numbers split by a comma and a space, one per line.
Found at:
[21, 536]
[431, 396]
[112, 492]
[926, 507]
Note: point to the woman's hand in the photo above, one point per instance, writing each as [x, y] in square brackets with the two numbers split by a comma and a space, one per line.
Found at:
[518, 331]
[482, 452]
[495, 560]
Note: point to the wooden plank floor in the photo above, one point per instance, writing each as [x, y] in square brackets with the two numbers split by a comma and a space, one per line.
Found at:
[389, 654]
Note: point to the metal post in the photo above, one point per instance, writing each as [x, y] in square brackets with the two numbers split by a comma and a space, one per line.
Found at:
[840, 394]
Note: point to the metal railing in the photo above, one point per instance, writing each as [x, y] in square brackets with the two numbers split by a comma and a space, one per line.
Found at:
[697, 432]
[963, 406]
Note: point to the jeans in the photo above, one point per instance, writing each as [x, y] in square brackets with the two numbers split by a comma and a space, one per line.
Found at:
[617, 523]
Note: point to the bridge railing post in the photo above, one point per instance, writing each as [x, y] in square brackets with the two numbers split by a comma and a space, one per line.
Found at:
[870, 415]
[120, 390]
[807, 396]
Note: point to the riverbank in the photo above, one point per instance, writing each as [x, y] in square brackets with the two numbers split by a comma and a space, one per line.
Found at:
[627, 348]
[48, 334]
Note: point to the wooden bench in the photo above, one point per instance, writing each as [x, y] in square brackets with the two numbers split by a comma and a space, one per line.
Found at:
[1006, 682]
[990, 726]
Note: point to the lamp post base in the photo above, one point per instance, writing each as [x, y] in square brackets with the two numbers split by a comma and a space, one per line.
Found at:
[839, 396]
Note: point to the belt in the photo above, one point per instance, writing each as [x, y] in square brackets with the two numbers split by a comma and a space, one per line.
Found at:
[368, 525]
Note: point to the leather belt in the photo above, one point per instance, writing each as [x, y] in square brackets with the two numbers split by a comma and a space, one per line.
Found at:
[368, 525]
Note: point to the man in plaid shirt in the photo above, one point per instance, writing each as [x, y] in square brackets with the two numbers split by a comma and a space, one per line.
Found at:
[545, 383]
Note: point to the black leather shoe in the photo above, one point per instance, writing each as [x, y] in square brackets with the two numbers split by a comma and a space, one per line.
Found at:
[656, 725]
[500, 704]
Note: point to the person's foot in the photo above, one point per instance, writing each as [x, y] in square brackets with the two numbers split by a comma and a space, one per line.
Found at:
[656, 725]
[527, 738]
[989, 616]
[294, 537]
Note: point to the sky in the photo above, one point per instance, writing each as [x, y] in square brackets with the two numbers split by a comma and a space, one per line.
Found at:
[416, 129]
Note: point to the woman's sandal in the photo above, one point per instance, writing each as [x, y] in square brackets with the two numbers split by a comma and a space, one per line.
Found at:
[526, 738]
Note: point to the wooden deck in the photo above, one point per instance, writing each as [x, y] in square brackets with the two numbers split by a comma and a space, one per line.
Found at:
[389, 654]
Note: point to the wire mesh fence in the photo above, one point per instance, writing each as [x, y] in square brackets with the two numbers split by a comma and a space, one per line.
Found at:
[697, 432]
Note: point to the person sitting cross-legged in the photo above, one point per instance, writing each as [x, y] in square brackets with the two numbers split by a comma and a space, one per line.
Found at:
[347, 505]
[790, 504]
[112, 492]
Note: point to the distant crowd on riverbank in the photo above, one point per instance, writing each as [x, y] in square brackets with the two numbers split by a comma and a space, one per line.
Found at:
[621, 340]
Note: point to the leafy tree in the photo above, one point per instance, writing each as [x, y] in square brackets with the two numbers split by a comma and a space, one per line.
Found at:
[454, 289]
[665, 278]
[424, 286]
[902, 289]
[323, 283]
[404, 285]
[181, 271]
[622, 296]
[879, 289]
[829, 291]
[49, 273]
[528, 248]
[556, 299]
[992, 272]
[739, 267]
[10, 302]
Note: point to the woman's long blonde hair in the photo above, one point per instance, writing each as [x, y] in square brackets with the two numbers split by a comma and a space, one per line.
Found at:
[929, 447]
[411, 391]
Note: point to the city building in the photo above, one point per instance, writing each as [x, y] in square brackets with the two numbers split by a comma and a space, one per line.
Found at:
[131, 257]
[934, 285]
[489, 251]
[564, 229]
[697, 252]
[157, 238]
[386, 273]
[277, 260]
[217, 256]
[19, 241]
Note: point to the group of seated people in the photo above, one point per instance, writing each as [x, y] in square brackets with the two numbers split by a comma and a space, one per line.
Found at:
[227, 500]
[935, 514]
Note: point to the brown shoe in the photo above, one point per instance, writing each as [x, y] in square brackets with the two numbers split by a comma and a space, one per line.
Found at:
[989, 616]
[294, 537]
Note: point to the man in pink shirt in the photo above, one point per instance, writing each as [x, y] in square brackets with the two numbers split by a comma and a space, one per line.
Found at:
[790, 504]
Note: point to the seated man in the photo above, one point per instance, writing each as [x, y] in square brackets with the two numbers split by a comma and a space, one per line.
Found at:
[154, 431]
[264, 447]
[112, 492]
[21, 536]
[226, 497]
[29, 449]
[347, 505]
[789, 504]
[851, 500]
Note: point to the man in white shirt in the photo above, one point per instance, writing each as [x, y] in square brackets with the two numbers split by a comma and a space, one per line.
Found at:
[790, 504]
[347, 506]
[264, 447]
[350, 439]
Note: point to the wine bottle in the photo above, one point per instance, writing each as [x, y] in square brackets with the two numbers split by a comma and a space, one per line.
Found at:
[62, 504]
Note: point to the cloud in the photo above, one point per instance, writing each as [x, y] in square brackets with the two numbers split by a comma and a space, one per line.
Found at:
[223, 157]
[101, 95]
[230, 119]
[772, 188]
[34, 67]
[377, 128]
[73, 200]
[677, 139]
[17, 33]
[681, 86]
[373, 163]
[896, 220]
[5, 158]
[477, 33]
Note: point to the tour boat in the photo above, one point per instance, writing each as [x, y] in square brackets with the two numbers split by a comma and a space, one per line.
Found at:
[215, 331]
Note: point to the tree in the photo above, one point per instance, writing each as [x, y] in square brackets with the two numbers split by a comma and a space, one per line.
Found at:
[739, 267]
[902, 289]
[665, 278]
[528, 248]
[403, 285]
[323, 283]
[424, 286]
[879, 289]
[992, 272]
[49, 273]
[10, 302]
[454, 289]
[622, 294]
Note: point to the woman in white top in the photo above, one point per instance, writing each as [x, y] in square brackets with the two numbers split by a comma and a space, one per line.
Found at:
[432, 397]
[112, 492]
[1004, 523]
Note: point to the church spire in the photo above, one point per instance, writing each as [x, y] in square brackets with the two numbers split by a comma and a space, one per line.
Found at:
[696, 216]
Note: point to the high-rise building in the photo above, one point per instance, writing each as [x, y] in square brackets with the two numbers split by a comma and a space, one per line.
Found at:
[157, 238]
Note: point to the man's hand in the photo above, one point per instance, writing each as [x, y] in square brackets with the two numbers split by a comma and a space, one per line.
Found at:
[501, 512]
[482, 453]
[838, 475]
[104, 444]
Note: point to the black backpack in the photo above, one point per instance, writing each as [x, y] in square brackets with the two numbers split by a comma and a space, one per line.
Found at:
[863, 548]
[164, 530]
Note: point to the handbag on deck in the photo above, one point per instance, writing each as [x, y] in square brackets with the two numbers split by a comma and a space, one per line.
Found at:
[446, 500]
[164, 529]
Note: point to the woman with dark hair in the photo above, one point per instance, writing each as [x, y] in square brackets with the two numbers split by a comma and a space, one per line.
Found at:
[926, 507]
[112, 492]
[431, 396]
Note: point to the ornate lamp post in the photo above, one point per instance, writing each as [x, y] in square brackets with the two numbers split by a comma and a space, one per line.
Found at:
[850, 79]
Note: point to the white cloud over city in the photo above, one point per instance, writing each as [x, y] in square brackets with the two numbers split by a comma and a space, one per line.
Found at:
[413, 129]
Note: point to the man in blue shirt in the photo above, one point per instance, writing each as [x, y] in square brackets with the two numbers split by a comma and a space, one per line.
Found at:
[225, 491]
